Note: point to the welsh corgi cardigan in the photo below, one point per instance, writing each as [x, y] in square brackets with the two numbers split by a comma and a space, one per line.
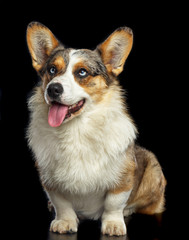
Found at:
[83, 137]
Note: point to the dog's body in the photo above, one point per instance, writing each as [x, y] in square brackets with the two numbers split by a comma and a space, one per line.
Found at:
[83, 138]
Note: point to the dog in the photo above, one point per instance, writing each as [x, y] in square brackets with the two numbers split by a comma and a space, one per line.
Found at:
[83, 138]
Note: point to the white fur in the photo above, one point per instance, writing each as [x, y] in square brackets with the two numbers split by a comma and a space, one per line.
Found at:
[112, 218]
[85, 154]
[66, 219]
[85, 205]
[82, 159]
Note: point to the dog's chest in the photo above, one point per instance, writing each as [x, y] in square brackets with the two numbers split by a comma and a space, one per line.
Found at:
[76, 162]
[83, 155]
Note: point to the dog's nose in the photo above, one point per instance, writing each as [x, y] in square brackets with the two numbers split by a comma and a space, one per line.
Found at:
[55, 90]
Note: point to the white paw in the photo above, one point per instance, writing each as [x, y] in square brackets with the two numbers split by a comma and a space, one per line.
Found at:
[114, 228]
[64, 226]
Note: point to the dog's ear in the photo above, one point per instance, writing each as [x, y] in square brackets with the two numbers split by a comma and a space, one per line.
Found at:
[115, 49]
[41, 42]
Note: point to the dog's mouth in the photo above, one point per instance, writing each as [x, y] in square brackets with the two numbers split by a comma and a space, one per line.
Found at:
[59, 112]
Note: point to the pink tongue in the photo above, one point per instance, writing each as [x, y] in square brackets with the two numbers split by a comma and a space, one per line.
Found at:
[57, 114]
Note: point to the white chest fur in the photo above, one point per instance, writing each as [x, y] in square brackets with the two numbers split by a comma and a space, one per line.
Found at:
[85, 154]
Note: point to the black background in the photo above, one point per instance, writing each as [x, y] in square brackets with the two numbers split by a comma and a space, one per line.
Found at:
[153, 95]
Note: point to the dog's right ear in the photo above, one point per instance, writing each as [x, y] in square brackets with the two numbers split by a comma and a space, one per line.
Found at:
[41, 42]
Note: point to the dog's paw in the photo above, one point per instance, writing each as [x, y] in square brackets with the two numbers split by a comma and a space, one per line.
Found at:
[114, 228]
[64, 226]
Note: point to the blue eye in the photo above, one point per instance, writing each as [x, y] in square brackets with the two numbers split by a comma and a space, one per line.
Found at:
[52, 70]
[82, 72]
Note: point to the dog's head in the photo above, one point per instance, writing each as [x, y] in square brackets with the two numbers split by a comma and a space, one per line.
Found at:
[72, 79]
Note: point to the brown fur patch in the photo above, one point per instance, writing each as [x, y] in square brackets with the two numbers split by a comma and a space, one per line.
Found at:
[146, 180]
[96, 87]
[93, 85]
[148, 192]
[59, 63]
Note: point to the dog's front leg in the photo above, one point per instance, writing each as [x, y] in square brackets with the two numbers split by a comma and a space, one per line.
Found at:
[112, 218]
[66, 220]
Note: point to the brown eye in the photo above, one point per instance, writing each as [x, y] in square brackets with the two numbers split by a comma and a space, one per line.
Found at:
[52, 70]
[82, 72]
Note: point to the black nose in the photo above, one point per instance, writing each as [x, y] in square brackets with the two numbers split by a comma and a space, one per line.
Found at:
[55, 90]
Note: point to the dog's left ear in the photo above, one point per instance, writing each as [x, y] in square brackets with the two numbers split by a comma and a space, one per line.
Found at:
[115, 49]
[41, 42]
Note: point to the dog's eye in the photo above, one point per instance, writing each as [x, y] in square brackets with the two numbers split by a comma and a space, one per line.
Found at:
[82, 72]
[52, 70]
